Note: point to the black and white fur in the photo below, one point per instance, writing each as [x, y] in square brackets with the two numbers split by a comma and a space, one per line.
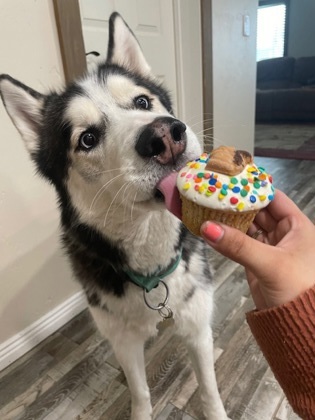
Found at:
[104, 143]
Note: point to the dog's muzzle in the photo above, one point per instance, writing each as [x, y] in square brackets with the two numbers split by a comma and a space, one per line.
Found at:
[165, 139]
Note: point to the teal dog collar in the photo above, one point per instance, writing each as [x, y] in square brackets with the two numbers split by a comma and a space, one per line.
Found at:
[149, 282]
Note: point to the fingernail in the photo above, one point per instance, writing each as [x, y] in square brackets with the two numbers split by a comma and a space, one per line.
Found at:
[212, 231]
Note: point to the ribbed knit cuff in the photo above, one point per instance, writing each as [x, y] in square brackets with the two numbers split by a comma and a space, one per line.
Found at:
[286, 336]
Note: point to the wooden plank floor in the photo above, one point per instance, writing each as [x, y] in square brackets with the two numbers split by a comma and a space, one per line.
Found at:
[74, 375]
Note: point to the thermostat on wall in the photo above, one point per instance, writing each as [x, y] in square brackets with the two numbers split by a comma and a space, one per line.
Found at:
[246, 25]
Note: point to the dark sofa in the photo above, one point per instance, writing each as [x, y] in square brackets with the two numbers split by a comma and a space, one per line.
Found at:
[286, 90]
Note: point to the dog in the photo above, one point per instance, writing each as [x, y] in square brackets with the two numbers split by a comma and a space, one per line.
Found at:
[109, 143]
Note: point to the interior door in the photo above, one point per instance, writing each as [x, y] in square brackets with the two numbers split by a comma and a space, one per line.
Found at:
[152, 21]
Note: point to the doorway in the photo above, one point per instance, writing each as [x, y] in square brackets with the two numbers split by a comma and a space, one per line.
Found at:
[285, 90]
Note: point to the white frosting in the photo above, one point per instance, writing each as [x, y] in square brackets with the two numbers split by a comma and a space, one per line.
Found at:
[252, 189]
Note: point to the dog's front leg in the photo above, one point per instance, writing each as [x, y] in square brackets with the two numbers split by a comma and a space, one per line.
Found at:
[128, 347]
[200, 347]
[129, 351]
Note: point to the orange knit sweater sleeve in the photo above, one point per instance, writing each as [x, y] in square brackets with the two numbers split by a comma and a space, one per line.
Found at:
[286, 336]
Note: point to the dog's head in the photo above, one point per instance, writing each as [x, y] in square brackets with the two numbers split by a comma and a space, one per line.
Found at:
[108, 139]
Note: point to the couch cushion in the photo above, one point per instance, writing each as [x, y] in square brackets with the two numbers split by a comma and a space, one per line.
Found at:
[285, 105]
[275, 69]
[304, 70]
[278, 84]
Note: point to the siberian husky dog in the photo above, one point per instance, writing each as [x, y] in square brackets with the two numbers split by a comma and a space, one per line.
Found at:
[111, 146]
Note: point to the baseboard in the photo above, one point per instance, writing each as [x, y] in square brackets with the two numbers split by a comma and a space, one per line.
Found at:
[27, 339]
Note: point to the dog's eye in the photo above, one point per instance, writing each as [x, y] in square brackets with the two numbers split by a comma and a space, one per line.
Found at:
[87, 141]
[142, 102]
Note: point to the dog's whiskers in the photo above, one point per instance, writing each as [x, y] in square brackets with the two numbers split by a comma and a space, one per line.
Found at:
[133, 204]
[112, 202]
[201, 122]
[125, 200]
[106, 171]
[102, 189]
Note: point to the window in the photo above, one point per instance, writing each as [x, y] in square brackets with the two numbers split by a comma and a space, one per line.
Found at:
[271, 29]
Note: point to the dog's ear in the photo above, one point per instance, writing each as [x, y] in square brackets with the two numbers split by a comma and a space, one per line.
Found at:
[123, 47]
[24, 106]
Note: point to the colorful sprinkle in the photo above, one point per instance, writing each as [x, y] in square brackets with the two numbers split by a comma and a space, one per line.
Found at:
[244, 193]
[236, 190]
[257, 185]
[240, 206]
[234, 181]
[195, 165]
[233, 200]
[244, 182]
[186, 186]
[252, 199]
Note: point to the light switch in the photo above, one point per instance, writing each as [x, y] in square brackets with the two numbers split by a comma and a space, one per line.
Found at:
[246, 25]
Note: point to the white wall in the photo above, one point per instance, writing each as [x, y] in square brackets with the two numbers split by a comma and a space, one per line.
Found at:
[301, 36]
[187, 33]
[34, 276]
[234, 73]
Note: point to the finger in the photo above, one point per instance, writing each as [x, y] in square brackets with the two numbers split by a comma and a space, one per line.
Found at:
[282, 206]
[264, 220]
[256, 232]
[252, 229]
[239, 247]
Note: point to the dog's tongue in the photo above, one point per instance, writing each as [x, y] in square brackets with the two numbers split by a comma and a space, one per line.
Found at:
[168, 188]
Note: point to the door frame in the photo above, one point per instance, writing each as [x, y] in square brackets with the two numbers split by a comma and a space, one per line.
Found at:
[68, 21]
[207, 65]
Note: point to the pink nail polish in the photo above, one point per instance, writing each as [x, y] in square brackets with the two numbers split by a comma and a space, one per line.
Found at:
[212, 231]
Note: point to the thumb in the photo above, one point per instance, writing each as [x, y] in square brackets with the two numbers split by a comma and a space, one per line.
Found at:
[237, 246]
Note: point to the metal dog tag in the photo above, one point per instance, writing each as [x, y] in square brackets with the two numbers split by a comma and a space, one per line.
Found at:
[166, 323]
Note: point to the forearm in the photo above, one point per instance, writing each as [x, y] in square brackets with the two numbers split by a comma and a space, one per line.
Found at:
[286, 336]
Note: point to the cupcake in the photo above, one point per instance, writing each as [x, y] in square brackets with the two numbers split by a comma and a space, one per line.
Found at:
[225, 186]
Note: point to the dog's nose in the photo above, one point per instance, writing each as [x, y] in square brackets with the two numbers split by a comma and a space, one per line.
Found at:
[165, 139]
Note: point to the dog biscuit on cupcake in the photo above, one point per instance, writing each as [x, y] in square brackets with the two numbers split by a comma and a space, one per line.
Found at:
[224, 186]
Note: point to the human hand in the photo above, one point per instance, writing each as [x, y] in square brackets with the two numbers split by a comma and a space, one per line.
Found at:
[280, 263]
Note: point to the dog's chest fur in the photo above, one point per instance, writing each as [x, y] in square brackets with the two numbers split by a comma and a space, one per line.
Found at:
[150, 245]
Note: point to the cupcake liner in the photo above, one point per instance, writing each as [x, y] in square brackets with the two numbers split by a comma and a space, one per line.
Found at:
[194, 215]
